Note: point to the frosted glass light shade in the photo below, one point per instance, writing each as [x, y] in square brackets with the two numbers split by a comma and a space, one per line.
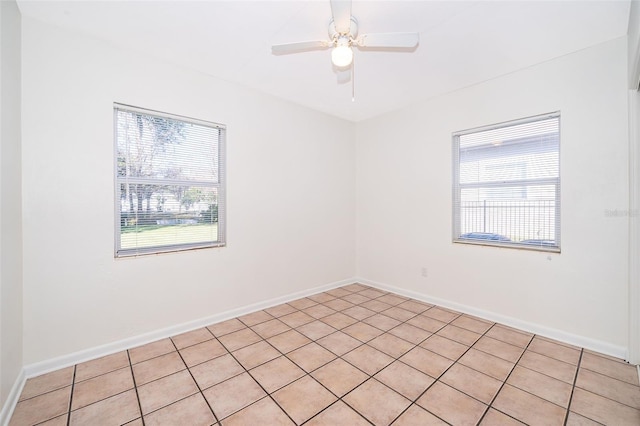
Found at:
[341, 56]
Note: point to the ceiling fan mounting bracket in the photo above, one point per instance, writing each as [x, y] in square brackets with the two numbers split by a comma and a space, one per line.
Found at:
[353, 30]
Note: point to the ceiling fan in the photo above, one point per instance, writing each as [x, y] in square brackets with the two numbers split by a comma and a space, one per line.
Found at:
[343, 37]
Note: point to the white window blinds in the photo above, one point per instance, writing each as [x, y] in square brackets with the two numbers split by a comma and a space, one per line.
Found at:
[506, 184]
[169, 182]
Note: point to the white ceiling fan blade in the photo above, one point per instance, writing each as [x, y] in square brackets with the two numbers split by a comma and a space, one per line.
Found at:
[389, 40]
[341, 11]
[301, 46]
[344, 76]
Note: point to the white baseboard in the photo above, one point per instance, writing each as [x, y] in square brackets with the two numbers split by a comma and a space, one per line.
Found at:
[552, 333]
[43, 367]
[12, 398]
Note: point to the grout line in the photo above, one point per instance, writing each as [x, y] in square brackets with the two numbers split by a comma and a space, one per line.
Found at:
[135, 386]
[193, 378]
[573, 388]
[73, 383]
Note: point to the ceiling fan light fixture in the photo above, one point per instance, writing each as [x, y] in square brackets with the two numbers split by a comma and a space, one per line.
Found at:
[342, 54]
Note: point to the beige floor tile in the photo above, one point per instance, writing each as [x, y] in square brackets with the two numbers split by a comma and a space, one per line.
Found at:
[59, 421]
[555, 350]
[158, 367]
[418, 416]
[197, 354]
[303, 399]
[382, 322]
[356, 299]
[339, 304]
[288, 341]
[338, 292]
[151, 350]
[338, 414]
[253, 355]
[255, 318]
[339, 343]
[297, 319]
[608, 387]
[472, 382]
[315, 330]
[549, 366]
[445, 347]
[232, 395]
[280, 310]
[302, 303]
[405, 380]
[618, 370]
[165, 391]
[226, 327]
[216, 370]
[376, 305]
[372, 293]
[319, 311]
[528, 408]
[426, 323]
[276, 373]
[239, 339]
[339, 376]
[47, 382]
[101, 387]
[553, 390]
[392, 299]
[339, 320]
[192, 338]
[470, 323]
[42, 407]
[410, 333]
[363, 332]
[499, 348]
[105, 364]
[379, 404]
[451, 405]
[391, 345]
[496, 418]
[321, 297]
[510, 335]
[192, 411]
[270, 328]
[487, 364]
[414, 306]
[426, 361]
[441, 314]
[136, 422]
[262, 412]
[311, 356]
[354, 287]
[460, 335]
[116, 410]
[368, 359]
[574, 419]
[399, 313]
[603, 410]
[359, 313]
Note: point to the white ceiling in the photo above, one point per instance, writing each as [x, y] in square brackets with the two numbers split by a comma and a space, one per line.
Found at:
[461, 42]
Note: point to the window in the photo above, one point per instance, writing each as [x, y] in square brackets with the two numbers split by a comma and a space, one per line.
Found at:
[506, 184]
[169, 192]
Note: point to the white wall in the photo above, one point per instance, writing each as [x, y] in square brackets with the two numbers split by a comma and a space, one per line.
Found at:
[404, 200]
[633, 50]
[290, 197]
[10, 201]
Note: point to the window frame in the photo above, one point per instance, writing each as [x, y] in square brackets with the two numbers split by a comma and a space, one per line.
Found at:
[220, 186]
[457, 188]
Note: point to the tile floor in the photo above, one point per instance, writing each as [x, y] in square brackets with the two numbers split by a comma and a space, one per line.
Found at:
[350, 356]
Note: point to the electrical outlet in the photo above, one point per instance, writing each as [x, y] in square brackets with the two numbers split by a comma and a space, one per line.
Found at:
[425, 272]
